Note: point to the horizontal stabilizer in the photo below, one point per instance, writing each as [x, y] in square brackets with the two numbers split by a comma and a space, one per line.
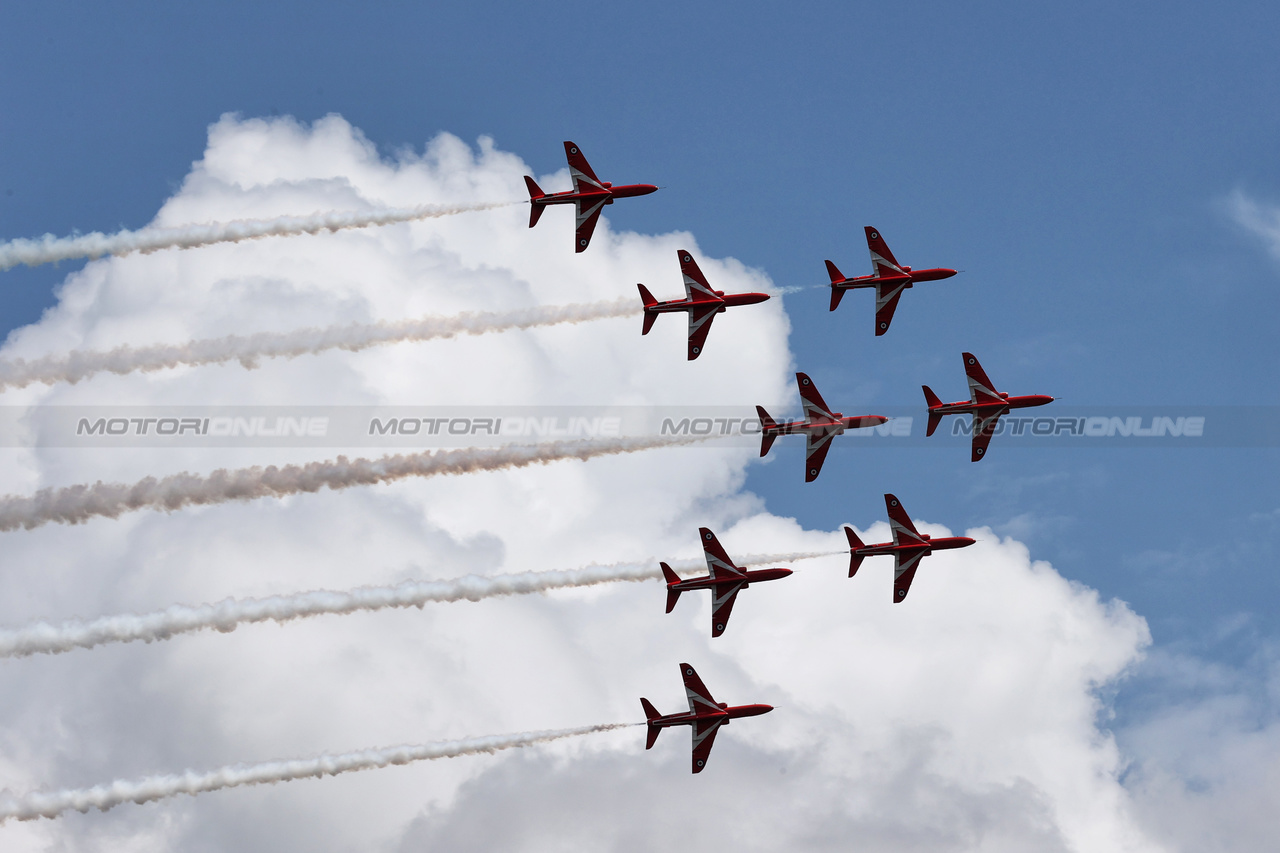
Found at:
[854, 562]
[832, 270]
[854, 544]
[767, 425]
[535, 193]
[932, 401]
[837, 293]
[650, 317]
[673, 595]
[651, 714]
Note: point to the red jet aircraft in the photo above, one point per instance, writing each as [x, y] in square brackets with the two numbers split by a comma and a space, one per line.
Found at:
[700, 301]
[589, 195]
[705, 716]
[986, 404]
[908, 547]
[724, 579]
[889, 278]
[819, 427]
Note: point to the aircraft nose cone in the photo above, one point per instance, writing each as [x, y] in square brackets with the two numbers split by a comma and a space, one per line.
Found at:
[950, 273]
[966, 541]
[645, 189]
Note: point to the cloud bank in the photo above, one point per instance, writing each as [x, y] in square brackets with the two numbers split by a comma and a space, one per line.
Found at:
[968, 718]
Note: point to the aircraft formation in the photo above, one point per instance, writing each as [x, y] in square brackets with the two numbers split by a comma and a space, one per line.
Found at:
[820, 425]
[724, 579]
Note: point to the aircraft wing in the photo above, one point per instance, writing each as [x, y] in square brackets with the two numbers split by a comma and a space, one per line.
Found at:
[699, 696]
[699, 327]
[817, 444]
[815, 408]
[882, 260]
[887, 296]
[981, 390]
[722, 598]
[904, 532]
[704, 736]
[718, 562]
[588, 214]
[584, 179]
[904, 572]
[696, 287]
[984, 427]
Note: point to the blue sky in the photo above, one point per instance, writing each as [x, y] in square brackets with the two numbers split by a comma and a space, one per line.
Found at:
[1076, 162]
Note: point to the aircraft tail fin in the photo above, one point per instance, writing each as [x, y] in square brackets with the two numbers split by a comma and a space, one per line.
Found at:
[535, 193]
[854, 563]
[854, 544]
[767, 427]
[649, 316]
[650, 714]
[837, 293]
[834, 272]
[932, 401]
[673, 595]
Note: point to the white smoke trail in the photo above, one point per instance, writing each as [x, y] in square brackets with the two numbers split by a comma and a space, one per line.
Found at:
[248, 349]
[77, 504]
[50, 249]
[228, 614]
[102, 797]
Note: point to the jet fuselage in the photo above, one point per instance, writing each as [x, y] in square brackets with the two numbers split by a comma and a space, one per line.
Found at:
[910, 278]
[708, 582]
[731, 300]
[838, 424]
[930, 545]
[961, 407]
[609, 193]
[725, 712]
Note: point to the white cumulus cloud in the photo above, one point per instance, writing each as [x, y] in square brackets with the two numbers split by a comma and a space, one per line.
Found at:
[966, 718]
